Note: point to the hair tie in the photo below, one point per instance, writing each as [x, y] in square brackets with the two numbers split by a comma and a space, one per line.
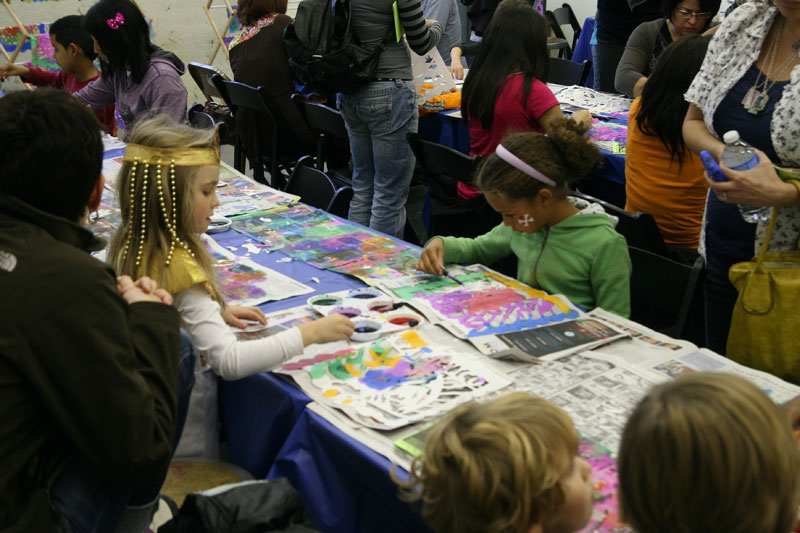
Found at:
[116, 22]
[503, 153]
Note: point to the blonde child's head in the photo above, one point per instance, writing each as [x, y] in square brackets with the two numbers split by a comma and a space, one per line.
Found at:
[166, 190]
[529, 173]
[708, 452]
[506, 465]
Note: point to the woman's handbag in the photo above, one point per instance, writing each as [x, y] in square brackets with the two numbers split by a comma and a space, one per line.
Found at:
[765, 329]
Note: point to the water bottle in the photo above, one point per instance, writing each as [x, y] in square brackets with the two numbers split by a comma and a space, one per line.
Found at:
[738, 155]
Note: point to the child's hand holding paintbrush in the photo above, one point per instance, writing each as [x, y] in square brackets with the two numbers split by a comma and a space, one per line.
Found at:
[431, 260]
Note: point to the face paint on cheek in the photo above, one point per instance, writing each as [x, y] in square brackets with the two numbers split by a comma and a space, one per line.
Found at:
[525, 220]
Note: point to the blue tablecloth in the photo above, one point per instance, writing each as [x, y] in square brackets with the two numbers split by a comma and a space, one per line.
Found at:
[348, 483]
[583, 49]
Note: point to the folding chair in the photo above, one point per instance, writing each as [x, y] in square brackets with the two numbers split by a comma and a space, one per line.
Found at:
[666, 293]
[564, 16]
[328, 127]
[316, 188]
[199, 118]
[565, 72]
[202, 76]
[285, 148]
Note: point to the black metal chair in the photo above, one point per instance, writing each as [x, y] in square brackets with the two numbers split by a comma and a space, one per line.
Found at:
[198, 118]
[316, 188]
[260, 108]
[564, 16]
[565, 72]
[330, 131]
[202, 76]
[666, 295]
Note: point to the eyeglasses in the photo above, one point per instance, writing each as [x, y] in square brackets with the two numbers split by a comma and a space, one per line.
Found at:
[687, 14]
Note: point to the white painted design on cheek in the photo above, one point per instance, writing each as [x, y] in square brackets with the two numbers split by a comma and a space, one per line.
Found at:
[525, 220]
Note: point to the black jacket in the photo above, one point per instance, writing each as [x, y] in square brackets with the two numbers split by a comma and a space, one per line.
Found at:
[82, 373]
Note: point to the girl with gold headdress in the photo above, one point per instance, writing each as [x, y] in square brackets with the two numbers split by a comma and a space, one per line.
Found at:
[167, 194]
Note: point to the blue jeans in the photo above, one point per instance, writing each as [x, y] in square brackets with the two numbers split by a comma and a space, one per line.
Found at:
[86, 502]
[378, 117]
[605, 58]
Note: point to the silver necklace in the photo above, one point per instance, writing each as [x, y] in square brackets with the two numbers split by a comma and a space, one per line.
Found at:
[756, 98]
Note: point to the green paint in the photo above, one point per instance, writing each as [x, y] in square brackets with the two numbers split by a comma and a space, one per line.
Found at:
[318, 370]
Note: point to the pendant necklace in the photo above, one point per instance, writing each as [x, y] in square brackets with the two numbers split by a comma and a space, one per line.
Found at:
[756, 98]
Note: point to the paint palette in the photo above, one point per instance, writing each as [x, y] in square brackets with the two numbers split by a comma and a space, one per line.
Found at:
[373, 312]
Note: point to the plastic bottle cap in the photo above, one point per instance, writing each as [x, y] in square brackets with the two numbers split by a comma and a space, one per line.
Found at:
[730, 137]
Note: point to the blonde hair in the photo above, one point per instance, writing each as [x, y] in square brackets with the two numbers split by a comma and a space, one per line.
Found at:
[708, 452]
[160, 131]
[494, 466]
[564, 155]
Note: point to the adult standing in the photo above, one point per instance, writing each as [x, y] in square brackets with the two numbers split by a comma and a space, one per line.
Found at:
[615, 21]
[649, 39]
[446, 12]
[749, 82]
[479, 13]
[259, 58]
[380, 114]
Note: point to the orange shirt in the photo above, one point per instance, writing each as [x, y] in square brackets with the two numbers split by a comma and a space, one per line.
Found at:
[654, 184]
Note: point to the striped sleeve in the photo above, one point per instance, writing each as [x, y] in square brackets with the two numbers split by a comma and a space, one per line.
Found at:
[420, 38]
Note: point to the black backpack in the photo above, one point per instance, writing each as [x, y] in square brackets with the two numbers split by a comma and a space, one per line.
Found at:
[324, 52]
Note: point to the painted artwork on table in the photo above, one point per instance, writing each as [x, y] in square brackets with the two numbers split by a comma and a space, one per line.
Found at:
[245, 282]
[394, 381]
[605, 134]
[605, 516]
[313, 236]
[239, 195]
[475, 301]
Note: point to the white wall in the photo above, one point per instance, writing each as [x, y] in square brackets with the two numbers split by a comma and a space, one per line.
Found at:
[180, 26]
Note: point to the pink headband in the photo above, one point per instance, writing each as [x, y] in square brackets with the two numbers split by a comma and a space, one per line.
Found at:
[116, 22]
[503, 153]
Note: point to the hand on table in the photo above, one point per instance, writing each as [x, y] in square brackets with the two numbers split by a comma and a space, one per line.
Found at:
[10, 69]
[143, 290]
[583, 117]
[758, 186]
[457, 70]
[329, 329]
[235, 316]
[432, 258]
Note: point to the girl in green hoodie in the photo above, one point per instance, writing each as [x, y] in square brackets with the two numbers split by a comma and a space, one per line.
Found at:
[564, 245]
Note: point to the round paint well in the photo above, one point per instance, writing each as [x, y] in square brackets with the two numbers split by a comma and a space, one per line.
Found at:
[364, 294]
[366, 330]
[404, 318]
[324, 300]
[349, 312]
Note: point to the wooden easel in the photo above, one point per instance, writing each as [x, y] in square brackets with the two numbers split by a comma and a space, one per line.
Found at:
[25, 35]
[220, 36]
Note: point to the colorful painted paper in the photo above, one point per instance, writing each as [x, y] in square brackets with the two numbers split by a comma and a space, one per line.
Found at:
[605, 516]
[607, 135]
[315, 237]
[239, 195]
[245, 282]
[393, 382]
[43, 54]
[485, 303]
[10, 36]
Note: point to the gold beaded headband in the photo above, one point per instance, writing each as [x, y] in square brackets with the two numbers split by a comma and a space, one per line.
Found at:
[184, 157]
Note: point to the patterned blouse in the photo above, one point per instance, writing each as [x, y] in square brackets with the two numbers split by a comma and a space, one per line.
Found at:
[251, 31]
[734, 49]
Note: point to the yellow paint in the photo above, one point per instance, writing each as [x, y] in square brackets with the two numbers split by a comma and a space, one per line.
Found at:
[530, 291]
[347, 401]
[352, 370]
[413, 340]
[330, 393]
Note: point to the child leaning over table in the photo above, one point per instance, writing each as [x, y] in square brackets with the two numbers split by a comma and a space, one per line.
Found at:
[706, 453]
[564, 245]
[74, 53]
[167, 194]
[507, 465]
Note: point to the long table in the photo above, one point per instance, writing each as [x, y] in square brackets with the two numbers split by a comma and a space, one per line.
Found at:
[271, 432]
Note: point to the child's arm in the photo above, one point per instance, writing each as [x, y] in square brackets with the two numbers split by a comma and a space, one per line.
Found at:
[611, 277]
[98, 93]
[421, 38]
[485, 249]
[230, 358]
[41, 78]
[10, 69]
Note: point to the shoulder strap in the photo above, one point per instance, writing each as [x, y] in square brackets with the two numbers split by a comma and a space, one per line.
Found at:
[767, 236]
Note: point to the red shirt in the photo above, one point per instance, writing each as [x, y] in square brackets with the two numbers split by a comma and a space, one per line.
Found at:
[511, 115]
[69, 82]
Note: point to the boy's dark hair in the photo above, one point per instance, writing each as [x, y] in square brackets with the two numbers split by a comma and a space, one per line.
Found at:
[663, 105]
[127, 45]
[70, 29]
[249, 11]
[515, 42]
[52, 151]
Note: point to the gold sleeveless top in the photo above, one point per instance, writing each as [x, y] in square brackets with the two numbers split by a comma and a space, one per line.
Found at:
[182, 273]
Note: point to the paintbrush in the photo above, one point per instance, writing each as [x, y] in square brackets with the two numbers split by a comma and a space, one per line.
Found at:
[446, 274]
